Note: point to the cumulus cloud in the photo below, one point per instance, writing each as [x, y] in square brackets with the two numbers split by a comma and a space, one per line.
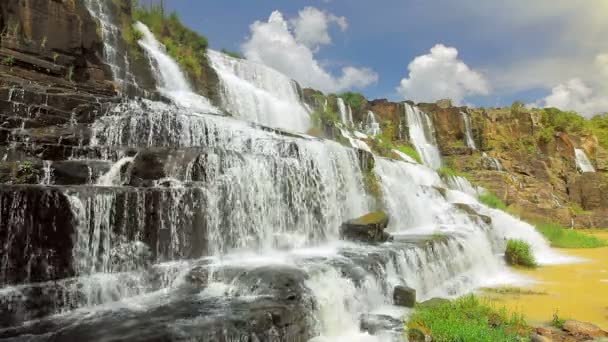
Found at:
[577, 96]
[441, 74]
[275, 43]
[312, 25]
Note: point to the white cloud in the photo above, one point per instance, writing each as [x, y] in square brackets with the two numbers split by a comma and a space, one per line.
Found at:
[274, 44]
[577, 96]
[440, 74]
[311, 27]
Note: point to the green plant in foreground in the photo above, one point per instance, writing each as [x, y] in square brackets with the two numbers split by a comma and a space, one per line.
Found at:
[467, 319]
[557, 321]
[492, 201]
[562, 237]
[519, 253]
[446, 171]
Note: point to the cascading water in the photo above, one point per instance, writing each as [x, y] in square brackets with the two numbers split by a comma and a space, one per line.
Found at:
[111, 35]
[257, 93]
[372, 127]
[231, 233]
[492, 162]
[582, 161]
[346, 113]
[172, 81]
[422, 135]
[468, 130]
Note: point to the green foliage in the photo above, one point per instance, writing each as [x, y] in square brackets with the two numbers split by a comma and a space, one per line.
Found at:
[557, 321]
[187, 47]
[467, 319]
[562, 121]
[517, 107]
[372, 184]
[356, 101]
[492, 201]
[598, 125]
[9, 61]
[26, 173]
[545, 135]
[410, 151]
[446, 171]
[519, 253]
[233, 54]
[324, 117]
[562, 237]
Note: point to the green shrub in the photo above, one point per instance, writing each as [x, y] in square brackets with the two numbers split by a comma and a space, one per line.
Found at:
[492, 201]
[356, 101]
[519, 253]
[232, 54]
[467, 319]
[9, 61]
[410, 151]
[324, 117]
[187, 47]
[562, 237]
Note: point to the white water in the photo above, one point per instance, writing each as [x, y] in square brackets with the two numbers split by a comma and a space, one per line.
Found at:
[113, 176]
[422, 135]
[494, 163]
[255, 92]
[172, 81]
[270, 199]
[372, 127]
[346, 113]
[354, 141]
[582, 161]
[468, 130]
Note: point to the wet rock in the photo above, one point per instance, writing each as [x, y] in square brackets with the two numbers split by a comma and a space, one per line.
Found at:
[366, 160]
[74, 172]
[584, 329]
[540, 338]
[367, 228]
[473, 213]
[404, 296]
[36, 230]
[375, 324]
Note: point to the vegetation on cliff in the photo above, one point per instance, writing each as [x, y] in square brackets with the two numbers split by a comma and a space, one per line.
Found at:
[492, 201]
[568, 238]
[466, 319]
[519, 253]
[186, 46]
[356, 101]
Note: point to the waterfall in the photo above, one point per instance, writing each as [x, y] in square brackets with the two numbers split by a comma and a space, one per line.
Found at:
[113, 176]
[372, 127]
[346, 113]
[171, 80]
[582, 161]
[493, 163]
[118, 61]
[422, 135]
[257, 93]
[468, 131]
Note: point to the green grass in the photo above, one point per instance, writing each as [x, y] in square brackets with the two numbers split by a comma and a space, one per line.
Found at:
[186, 46]
[519, 253]
[446, 171]
[509, 290]
[410, 151]
[568, 238]
[356, 101]
[467, 319]
[492, 201]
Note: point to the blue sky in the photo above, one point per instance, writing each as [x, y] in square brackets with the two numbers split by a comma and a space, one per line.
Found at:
[514, 50]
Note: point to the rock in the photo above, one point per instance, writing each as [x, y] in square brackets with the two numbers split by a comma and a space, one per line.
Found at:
[375, 324]
[404, 296]
[473, 213]
[589, 190]
[418, 335]
[367, 228]
[540, 338]
[583, 329]
[366, 160]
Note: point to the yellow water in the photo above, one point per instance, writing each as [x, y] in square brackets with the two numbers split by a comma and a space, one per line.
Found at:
[577, 291]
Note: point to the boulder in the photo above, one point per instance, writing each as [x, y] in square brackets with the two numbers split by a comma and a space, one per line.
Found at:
[375, 324]
[583, 329]
[367, 228]
[404, 296]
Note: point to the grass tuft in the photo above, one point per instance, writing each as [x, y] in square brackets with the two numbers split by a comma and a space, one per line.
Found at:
[519, 253]
[492, 201]
[410, 151]
[562, 237]
[467, 319]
